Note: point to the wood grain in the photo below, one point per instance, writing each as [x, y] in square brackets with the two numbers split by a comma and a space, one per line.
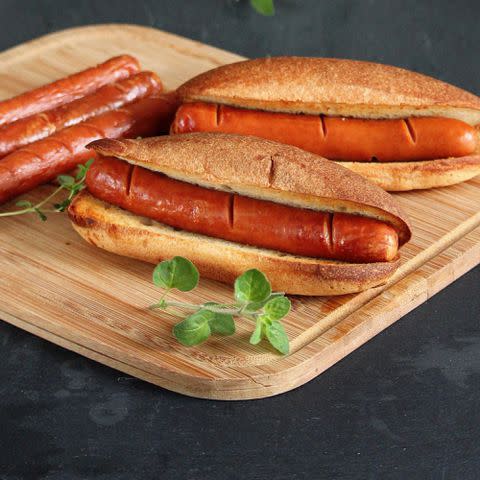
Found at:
[56, 286]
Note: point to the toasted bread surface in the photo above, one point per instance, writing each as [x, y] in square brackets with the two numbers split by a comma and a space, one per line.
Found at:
[404, 176]
[332, 87]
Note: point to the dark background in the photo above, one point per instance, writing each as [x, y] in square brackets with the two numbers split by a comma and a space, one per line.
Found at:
[406, 405]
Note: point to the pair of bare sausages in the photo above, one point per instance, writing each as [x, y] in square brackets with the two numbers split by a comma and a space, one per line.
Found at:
[44, 131]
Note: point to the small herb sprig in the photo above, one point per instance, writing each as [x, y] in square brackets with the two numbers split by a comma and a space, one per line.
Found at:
[72, 185]
[254, 300]
[264, 7]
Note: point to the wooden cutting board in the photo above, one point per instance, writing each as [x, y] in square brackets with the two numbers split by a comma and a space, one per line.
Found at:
[56, 286]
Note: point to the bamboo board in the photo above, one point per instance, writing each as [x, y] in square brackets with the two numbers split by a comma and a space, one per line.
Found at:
[56, 286]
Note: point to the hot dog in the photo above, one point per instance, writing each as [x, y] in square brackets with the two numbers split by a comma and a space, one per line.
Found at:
[239, 218]
[229, 203]
[30, 129]
[350, 139]
[372, 117]
[42, 161]
[67, 89]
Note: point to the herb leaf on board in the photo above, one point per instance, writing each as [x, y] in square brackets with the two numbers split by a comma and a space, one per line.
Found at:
[253, 297]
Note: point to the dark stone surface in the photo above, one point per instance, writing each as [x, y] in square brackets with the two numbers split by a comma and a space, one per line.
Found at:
[403, 406]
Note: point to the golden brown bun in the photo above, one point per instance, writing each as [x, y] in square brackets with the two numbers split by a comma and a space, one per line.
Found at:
[262, 169]
[402, 176]
[331, 87]
[121, 232]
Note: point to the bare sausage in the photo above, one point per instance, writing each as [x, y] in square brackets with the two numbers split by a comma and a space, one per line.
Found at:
[67, 89]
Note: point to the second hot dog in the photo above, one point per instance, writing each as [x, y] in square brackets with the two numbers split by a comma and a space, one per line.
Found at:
[347, 111]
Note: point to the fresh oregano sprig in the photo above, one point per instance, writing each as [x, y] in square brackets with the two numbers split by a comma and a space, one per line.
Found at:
[253, 300]
[72, 185]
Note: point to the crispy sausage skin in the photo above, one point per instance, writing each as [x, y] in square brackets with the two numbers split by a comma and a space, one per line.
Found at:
[241, 219]
[42, 161]
[337, 138]
[28, 130]
[67, 89]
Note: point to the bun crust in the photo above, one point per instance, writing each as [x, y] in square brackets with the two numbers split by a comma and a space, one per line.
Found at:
[332, 87]
[123, 233]
[262, 169]
[403, 176]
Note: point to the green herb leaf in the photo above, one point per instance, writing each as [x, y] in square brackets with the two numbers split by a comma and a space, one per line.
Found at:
[194, 329]
[254, 306]
[264, 7]
[65, 180]
[179, 273]
[41, 215]
[61, 207]
[258, 333]
[83, 169]
[222, 323]
[24, 204]
[277, 308]
[252, 286]
[277, 336]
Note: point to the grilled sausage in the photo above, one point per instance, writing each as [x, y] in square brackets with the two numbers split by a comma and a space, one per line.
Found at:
[241, 219]
[67, 89]
[337, 138]
[41, 125]
[42, 161]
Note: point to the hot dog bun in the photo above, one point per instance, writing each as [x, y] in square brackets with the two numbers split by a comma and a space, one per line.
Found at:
[331, 86]
[403, 176]
[336, 87]
[250, 166]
